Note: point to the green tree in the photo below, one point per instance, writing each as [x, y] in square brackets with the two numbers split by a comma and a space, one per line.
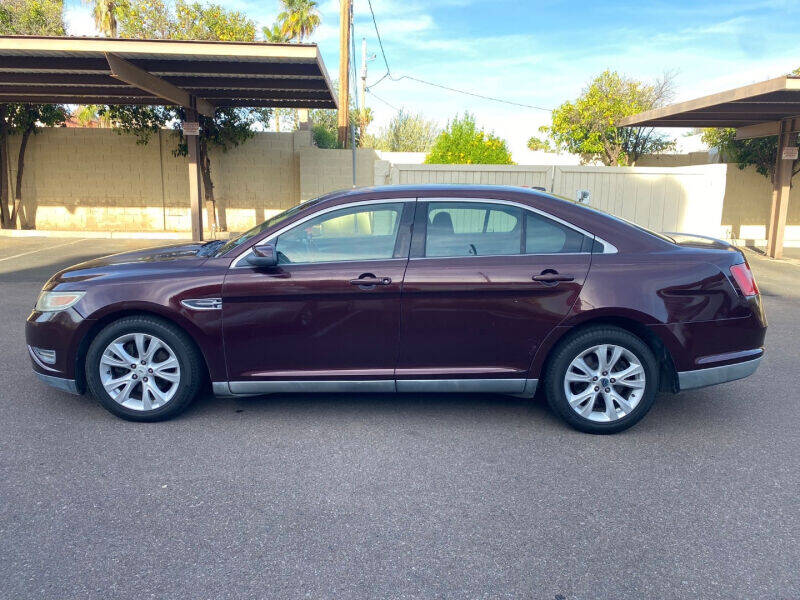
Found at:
[462, 142]
[325, 126]
[761, 153]
[588, 126]
[25, 17]
[230, 126]
[275, 34]
[298, 19]
[105, 16]
[155, 19]
[405, 132]
[541, 144]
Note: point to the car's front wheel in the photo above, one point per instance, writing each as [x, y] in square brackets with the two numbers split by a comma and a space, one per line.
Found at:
[143, 369]
[602, 379]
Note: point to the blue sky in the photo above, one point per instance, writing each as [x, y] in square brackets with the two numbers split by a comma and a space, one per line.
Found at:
[542, 53]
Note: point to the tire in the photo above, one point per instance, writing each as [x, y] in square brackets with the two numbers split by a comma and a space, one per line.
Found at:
[151, 366]
[630, 396]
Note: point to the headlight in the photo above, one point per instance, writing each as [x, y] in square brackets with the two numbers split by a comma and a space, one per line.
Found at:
[54, 301]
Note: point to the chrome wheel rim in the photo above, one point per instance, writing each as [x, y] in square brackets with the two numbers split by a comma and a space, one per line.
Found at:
[140, 371]
[605, 383]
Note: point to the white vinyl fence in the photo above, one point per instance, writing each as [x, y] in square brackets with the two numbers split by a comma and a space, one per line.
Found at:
[685, 199]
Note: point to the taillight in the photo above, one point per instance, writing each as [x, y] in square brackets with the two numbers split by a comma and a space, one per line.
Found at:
[744, 279]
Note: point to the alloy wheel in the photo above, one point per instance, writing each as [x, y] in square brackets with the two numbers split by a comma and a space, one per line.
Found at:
[140, 371]
[604, 383]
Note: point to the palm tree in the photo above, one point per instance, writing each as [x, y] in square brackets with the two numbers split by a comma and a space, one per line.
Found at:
[298, 19]
[105, 19]
[275, 34]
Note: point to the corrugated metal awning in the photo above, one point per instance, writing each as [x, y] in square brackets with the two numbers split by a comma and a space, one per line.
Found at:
[81, 71]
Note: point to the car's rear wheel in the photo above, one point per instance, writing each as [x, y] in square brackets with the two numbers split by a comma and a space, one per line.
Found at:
[602, 379]
[143, 369]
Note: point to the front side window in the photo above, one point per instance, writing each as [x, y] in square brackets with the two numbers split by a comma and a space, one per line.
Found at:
[356, 233]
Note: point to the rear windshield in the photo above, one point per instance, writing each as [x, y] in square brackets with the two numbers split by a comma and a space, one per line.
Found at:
[661, 236]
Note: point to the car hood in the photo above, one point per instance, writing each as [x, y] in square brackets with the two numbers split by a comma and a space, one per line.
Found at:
[139, 262]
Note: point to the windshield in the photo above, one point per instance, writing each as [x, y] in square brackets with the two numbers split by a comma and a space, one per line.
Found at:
[262, 227]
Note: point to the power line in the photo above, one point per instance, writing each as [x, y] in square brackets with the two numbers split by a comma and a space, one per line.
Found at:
[389, 75]
[468, 93]
[378, 98]
[380, 43]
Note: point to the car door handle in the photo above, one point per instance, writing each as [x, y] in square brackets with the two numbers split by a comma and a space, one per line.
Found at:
[552, 277]
[370, 281]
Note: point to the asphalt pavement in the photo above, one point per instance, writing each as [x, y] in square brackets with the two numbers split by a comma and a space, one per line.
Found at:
[409, 496]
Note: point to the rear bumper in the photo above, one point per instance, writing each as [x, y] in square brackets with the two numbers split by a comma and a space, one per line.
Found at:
[698, 378]
[65, 385]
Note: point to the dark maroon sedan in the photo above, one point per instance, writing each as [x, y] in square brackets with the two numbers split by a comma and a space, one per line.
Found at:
[408, 289]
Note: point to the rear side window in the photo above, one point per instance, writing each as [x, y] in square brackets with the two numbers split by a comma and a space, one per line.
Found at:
[473, 229]
[545, 236]
[491, 229]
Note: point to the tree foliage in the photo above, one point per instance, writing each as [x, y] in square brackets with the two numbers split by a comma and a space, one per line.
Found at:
[104, 13]
[541, 144]
[462, 142]
[31, 17]
[156, 19]
[761, 153]
[298, 19]
[406, 132]
[588, 126]
[25, 17]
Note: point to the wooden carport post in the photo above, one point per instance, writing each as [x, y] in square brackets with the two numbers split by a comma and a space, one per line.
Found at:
[195, 183]
[781, 186]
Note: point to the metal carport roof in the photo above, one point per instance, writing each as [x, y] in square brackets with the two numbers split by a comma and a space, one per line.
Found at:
[197, 75]
[102, 71]
[763, 109]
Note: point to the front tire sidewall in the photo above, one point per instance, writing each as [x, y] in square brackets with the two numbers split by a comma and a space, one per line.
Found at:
[575, 344]
[184, 351]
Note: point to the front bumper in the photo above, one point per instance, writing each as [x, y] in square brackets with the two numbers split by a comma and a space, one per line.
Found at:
[698, 378]
[65, 385]
[61, 333]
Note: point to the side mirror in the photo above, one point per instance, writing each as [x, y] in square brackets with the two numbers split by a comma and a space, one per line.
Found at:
[263, 255]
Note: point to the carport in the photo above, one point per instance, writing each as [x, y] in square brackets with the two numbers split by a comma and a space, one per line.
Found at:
[759, 110]
[198, 76]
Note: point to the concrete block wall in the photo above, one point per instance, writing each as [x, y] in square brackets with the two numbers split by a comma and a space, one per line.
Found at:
[323, 171]
[96, 179]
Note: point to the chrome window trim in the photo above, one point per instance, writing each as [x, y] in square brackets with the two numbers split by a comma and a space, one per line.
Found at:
[607, 247]
[240, 257]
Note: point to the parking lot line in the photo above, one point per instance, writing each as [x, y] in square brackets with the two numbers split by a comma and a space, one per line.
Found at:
[42, 249]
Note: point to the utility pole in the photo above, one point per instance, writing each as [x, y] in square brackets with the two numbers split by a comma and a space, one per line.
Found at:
[345, 17]
[362, 90]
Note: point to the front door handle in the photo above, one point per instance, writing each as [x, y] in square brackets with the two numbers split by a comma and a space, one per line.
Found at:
[369, 280]
[551, 277]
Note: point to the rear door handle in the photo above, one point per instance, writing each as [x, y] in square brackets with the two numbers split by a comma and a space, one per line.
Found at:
[370, 281]
[553, 277]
